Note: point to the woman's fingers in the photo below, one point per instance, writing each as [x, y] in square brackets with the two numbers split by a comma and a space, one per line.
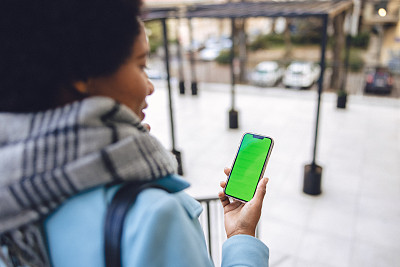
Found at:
[227, 171]
[222, 184]
[224, 199]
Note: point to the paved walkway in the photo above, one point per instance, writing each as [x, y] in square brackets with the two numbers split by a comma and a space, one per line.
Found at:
[354, 222]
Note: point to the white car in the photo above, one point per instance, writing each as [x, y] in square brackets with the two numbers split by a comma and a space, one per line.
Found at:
[213, 47]
[301, 74]
[194, 46]
[266, 73]
[210, 53]
[156, 73]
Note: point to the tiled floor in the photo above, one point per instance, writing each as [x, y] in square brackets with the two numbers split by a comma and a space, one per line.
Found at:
[354, 222]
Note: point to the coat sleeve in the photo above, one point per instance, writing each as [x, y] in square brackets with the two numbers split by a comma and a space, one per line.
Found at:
[244, 250]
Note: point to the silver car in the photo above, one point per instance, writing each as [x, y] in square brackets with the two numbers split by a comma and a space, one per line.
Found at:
[266, 73]
[301, 74]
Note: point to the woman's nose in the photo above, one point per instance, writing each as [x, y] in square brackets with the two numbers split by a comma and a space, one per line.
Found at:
[151, 86]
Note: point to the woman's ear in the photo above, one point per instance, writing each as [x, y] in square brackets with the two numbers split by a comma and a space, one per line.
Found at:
[81, 87]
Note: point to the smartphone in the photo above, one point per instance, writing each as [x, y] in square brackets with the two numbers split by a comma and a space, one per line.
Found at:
[249, 166]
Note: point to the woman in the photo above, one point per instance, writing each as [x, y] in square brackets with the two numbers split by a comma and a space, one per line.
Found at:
[74, 88]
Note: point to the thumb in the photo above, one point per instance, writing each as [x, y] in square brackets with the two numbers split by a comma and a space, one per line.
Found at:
[261, 190]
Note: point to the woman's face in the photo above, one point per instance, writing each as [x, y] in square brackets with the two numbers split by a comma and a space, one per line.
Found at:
[129, 85]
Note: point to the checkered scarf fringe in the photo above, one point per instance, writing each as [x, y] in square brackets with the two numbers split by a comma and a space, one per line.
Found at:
[47, 157]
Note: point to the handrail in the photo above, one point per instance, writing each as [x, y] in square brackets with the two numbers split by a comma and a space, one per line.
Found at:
[207, 201]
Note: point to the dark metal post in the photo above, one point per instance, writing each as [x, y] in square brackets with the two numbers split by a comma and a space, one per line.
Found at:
[174, 151]
[192, 62]
[346, 60]
[342, 97]
[209, 228]
[313, 172]
[180, 60]
[233, 114]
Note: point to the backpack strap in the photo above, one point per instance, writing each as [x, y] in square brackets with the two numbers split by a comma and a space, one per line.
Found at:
[115, 216]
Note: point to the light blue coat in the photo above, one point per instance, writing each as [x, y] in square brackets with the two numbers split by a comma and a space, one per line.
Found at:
[161, 229]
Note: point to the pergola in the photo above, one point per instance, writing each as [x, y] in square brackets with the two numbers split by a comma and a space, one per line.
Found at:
[324, 10]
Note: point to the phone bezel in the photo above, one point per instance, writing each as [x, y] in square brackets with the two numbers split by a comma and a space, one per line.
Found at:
[263, 169]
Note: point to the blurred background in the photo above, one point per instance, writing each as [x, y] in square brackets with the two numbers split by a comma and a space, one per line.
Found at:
[263, 74]
[370, 29]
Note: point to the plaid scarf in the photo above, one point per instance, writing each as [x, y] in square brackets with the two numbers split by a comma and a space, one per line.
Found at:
[47, 157]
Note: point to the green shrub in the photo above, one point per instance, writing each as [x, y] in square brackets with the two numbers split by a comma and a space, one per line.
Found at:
[275, 39]
[356, 62]
[310, 38]
[266, 41]
[305, 31]
[224, 57]
[155, 35]
[259, 43]
[361, 40]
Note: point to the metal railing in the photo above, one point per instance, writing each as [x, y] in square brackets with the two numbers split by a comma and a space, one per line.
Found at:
[212, 222]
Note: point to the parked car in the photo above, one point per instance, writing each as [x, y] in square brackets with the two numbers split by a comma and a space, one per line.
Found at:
[194, 46]
[213, 47]
[266, 73]
[210, 53]
[223, 42]
[156, 74]
[378, 80]
[301, 74]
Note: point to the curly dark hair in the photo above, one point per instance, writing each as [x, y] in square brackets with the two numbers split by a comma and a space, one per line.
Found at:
[50, 44]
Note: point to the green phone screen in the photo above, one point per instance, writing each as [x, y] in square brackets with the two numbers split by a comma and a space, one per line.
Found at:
[248, 166]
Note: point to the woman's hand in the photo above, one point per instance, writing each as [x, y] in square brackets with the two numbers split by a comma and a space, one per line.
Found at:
[242, 218]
